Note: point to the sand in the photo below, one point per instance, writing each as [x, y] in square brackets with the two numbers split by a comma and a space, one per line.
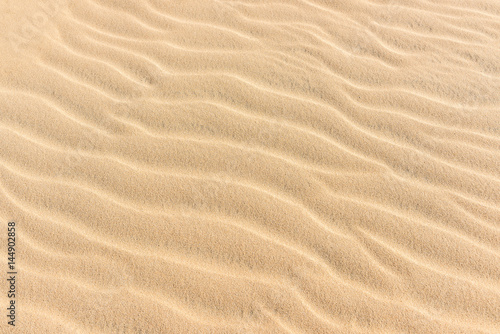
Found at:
[292, 166]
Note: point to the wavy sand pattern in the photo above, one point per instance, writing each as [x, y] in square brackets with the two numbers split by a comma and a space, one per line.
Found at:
[296, 166]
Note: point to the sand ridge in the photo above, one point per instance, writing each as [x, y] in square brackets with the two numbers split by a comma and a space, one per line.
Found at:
[296, 166]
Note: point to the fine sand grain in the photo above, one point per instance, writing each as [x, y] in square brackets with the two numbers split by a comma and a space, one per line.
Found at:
[291, 166]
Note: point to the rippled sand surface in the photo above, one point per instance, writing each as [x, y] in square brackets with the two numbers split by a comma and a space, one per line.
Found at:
[292, 166]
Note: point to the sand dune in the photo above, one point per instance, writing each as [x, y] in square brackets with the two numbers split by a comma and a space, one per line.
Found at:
[297, 166]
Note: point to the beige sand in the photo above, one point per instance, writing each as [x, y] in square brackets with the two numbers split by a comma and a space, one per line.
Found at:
[291, 166]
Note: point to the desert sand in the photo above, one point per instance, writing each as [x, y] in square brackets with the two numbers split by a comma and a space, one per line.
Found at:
[291, 166]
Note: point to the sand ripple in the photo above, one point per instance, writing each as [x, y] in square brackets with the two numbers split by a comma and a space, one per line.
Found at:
[299, 166]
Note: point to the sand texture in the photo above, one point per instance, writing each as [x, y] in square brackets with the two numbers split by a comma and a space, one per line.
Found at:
[234, 167]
